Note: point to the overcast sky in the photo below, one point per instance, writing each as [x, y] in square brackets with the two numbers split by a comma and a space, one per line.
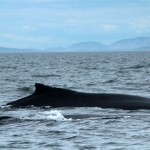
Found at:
[60, 23]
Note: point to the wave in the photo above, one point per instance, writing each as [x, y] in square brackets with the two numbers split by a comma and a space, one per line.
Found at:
[111, 81]
[47, 115]
[8, 67]
[25, 89]
[55, 115]
[138, 66]
[46, 75]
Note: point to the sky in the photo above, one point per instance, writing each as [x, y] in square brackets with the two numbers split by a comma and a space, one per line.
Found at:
[44, 24]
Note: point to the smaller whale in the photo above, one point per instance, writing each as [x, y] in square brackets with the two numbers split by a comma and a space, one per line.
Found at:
[58, 97]
[76, 116]
[5, 118]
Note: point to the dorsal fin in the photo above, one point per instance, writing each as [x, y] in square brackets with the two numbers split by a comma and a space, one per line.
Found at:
[40, 88]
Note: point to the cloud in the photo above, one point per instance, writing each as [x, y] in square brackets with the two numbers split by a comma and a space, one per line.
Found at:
[29, 28]
[23, 38]
[19, 37]
[109, 27]
[10, 36]
[141, 25]
[50, 22]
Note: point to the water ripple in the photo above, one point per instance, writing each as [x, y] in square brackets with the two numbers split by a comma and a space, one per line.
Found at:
[88, 128]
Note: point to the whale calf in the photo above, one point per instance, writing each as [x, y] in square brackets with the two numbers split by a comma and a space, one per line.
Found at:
[54, 97]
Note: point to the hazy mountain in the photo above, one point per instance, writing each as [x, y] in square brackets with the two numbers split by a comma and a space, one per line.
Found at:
[134, 44]
[55, 49]
[141, 43]
[145, 48]
[16, 50]
[130, 44]
[87, 46]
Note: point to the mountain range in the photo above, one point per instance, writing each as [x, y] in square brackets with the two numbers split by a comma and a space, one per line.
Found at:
[134, 44]
[131, 44]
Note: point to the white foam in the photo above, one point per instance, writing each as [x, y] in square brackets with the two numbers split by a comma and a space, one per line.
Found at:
[48, 115]
[127, 116]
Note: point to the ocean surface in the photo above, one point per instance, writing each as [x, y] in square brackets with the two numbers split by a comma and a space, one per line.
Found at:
[74, 128]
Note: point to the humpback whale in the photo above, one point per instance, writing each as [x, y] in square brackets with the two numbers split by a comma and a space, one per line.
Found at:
[54, 97]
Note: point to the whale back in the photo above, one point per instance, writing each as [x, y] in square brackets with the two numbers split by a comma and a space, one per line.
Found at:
[41, 88]
[58, 97]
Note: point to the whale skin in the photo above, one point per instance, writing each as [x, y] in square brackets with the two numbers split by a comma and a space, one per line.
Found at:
[54, 97]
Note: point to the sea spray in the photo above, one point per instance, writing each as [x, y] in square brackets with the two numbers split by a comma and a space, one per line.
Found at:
[48, 115]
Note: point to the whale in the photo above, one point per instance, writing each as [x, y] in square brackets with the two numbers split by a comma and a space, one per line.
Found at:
[55, 97]
[5, 118]
[68, 116]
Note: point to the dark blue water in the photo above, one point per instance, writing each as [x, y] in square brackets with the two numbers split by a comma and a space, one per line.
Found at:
[75, 128]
